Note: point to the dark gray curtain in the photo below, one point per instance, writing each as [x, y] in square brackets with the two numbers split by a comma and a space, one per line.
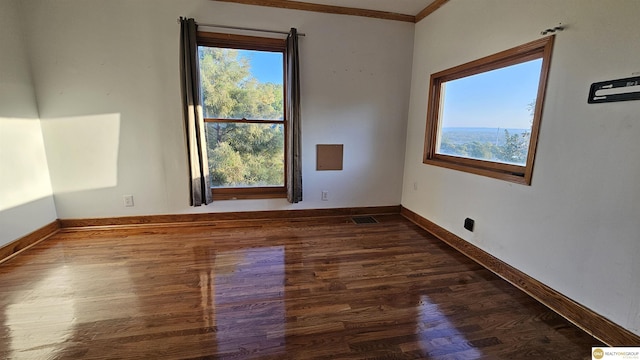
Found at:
[294, 162]
[199, 182]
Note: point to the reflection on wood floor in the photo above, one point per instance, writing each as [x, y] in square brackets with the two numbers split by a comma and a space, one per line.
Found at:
[320, 288]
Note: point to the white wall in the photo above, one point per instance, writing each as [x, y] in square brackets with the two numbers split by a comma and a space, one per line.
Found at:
[107, 79]
[26, 201]
[577, 227]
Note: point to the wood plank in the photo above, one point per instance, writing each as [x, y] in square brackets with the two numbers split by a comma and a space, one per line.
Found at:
[227, 216]
[588, 320]
[288, 288]
[328, 9]
[15, 247]
[430, 9]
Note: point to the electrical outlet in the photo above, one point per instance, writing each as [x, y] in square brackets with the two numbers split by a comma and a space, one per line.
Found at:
[468, 224]
[325, 195]
[128, 200]
[415, 185]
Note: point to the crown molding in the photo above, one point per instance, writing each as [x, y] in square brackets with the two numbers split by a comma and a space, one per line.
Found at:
[328, 9]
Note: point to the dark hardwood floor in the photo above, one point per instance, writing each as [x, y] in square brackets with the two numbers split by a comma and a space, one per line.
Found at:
[319, 288]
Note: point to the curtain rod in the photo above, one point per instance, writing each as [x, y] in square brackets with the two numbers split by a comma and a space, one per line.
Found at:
[245, 28]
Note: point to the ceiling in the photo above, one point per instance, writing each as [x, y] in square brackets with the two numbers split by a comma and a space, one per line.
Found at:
[407, 7]
[399, 10]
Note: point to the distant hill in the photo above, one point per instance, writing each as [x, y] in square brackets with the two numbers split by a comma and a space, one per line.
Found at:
[464, 135]
[493, 144]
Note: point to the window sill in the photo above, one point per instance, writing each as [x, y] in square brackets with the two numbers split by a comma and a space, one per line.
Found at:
[249, 193]
[492, 173]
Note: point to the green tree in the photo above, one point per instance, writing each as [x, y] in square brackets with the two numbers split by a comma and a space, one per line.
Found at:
[481, 150]
[222, 74]
[241, 154]
[515, 147]
[448, 147]
[226, 165]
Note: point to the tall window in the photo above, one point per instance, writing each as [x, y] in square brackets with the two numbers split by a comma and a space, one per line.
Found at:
[484, 116]
[242, 85]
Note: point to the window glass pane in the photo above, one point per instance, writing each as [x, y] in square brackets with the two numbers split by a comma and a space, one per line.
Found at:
[245, 155]
[488, 116]
[238, 84]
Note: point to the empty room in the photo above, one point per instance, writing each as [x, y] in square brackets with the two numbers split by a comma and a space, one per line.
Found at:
[319, 179]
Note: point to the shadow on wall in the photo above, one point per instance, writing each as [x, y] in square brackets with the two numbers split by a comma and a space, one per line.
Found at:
[82, 151]
[19, 220]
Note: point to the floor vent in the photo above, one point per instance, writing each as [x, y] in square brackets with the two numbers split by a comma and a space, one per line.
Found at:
[364, 220]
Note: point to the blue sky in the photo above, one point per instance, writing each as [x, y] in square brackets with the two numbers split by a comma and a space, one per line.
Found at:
[265, 66]
[494, 99]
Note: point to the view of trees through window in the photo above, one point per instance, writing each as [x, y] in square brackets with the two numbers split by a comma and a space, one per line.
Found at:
[483, 116]
[509, 146]
[488, 116]
[243, 104]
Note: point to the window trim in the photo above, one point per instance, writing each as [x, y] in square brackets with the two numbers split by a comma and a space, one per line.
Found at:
[243, 42]
[538, 49]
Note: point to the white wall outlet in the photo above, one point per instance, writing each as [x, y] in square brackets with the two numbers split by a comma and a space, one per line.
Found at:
[415, 185]
[128, 200]
[325, 195]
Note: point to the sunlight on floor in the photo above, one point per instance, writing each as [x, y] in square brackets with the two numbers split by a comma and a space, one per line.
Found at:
[48, 321]
[431, 321]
